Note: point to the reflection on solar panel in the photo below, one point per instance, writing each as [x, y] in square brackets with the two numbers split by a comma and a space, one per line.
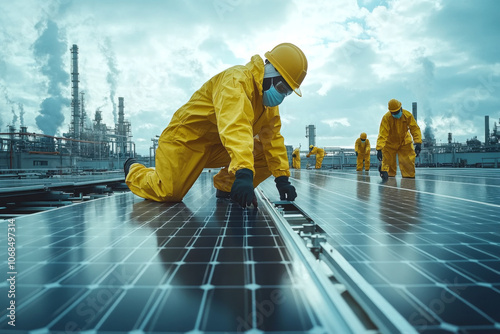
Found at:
[430, 246]
[121, 263]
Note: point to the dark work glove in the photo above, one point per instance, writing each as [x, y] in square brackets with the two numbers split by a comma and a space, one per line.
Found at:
[242, 189]
[418, 148]
[356, 153]
[285, 188]
[379, 155]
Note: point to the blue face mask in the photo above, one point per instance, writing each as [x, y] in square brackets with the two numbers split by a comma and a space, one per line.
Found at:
[398, 115]
[272, 97]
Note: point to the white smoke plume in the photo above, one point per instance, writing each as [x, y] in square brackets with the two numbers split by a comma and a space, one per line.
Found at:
[113, 72]
[21, 113]
[49, 50]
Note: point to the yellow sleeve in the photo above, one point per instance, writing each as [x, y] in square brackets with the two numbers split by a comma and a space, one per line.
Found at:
[383, 133]
[235, 114]
[415, 130]
[367, 142]
[274, 145]
[356, 145]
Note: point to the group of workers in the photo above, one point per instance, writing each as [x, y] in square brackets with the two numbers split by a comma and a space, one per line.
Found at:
[232, 122]
[399, 136]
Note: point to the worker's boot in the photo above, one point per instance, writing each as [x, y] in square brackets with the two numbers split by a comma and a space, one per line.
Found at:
[126, 166]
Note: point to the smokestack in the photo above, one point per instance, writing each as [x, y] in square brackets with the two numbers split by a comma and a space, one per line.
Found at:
[83, 114]
[486, 130]
[449, 138]
[75, 105]
[12, 130]
[121, 115]
[121, 126]
[24, 130]
[311, 134]
[414, 110]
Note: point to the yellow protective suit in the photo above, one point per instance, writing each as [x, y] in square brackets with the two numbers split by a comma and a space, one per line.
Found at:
[363, 150]
[394, 139]
[296, 158]
[320, 154]
[224, 124]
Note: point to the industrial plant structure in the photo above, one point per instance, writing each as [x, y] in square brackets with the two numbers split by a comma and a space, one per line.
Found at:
[95, 147]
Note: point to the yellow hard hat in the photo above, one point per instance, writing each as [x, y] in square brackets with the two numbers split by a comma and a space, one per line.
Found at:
[362, 136]
[290, 62]
[394, 105]
[310, 147]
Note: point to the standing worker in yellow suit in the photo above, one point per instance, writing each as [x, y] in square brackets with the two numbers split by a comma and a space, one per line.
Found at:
[320, 154]
[296, 158]
[233, 122]
[362, 149]
[398, 131]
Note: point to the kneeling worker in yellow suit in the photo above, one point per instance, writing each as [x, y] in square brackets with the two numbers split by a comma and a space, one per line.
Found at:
[362, 148]
[296, 158]
[394, 139]
[233, 122]
[320, 154]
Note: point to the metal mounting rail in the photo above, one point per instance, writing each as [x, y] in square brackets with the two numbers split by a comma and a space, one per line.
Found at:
[347, 295]
[334, 312]
[387, 319]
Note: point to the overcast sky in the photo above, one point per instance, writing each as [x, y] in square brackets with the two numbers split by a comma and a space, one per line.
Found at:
[442, 54]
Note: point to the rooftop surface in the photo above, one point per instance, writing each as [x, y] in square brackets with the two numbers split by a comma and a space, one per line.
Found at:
[426, 248]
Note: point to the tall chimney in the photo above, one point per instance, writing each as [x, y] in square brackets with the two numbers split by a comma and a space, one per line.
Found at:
[121, 114]
[414, 110]
[311, 134]
[449, 138]
[75, 105]
[486, 130]
[121, 126]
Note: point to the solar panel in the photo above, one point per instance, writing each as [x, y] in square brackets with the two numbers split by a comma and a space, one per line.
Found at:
[430, 246]
[123, 264]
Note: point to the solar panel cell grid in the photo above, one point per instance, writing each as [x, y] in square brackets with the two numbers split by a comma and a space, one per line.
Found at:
[430, 245]
[121, 264]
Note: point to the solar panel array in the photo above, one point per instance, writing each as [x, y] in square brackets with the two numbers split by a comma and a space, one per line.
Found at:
[430, 246]
[122, 264]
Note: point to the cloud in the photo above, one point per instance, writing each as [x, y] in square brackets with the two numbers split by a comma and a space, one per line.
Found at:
[467, 27]
[454, 125]
[336, 122]
[155, 54]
